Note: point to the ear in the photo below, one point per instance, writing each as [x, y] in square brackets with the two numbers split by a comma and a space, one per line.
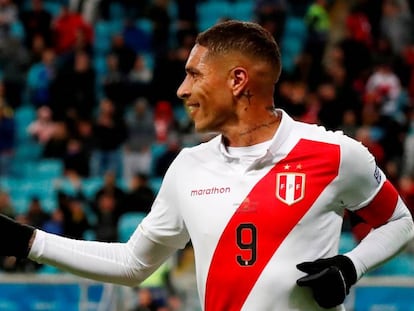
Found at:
[239, 79]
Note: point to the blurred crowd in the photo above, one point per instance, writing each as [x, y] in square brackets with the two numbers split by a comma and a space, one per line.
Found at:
[101, 76]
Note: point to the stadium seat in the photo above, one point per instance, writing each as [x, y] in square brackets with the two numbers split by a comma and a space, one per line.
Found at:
[103, 34]
[243, 10]
[401, 265]
[49, 168]
[157, 149]
[24, 115]
[127, 224]
[17, 30]
[91, 185]
[346, 242]
[210, 12]
[20, 204]
[155, 183]
[116, 11]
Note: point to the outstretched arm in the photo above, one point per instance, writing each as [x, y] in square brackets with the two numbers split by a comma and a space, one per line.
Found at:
[122, 263]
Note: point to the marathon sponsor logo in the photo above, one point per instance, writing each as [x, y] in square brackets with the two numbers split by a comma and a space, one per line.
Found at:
[210, 191]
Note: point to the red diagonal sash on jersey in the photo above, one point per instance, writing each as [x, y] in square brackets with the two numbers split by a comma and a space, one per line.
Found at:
[262, 222]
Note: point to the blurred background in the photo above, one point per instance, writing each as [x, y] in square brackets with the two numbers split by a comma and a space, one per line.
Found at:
[89, 122]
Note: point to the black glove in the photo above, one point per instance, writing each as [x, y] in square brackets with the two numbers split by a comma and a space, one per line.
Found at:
[330, 279]
[14, 237]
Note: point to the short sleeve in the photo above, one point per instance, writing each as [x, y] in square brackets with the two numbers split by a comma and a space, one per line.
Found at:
[360, 178]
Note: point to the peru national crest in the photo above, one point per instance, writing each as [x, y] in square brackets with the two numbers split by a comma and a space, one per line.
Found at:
[290, 187]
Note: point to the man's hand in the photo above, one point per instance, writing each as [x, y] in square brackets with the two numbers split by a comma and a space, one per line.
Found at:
[14, 238]
[329, 279]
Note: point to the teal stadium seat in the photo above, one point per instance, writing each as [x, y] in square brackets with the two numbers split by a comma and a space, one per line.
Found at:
[116, 11]
[292, 42]
[103, 35]
[127, 224]
[346, 242]
[53, 7]
[155, 183]
[157, 149]
[23, 116]
[210, 12]
[17, 30]
[91, 185]
[243, 10]
[401, 265]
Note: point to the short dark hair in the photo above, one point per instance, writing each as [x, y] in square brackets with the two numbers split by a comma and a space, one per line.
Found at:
[248, 38]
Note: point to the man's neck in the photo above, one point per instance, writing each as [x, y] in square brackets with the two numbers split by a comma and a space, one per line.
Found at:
[251, 134]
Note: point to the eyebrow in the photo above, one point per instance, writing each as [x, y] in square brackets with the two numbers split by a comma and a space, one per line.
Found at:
[192, 70]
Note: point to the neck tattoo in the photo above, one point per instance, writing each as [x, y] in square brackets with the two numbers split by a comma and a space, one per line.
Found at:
[261, 126]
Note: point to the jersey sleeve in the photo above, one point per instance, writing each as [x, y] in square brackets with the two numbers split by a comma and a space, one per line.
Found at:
[375, 201]
[360, 177]
[164, 224]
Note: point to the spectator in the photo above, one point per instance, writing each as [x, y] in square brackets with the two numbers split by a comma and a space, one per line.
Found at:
[136, 38]
[107, 217]
[42, 129]
[364, 135]
[358, 26]
[396, 19]
[186, 22]
[76, 158]
[109, 132]
[36, 22]
[126, 55]
[7, 138]
[14, 63]
[74, 93]
[406, 187]
[9, 14]
[110, 187]
[6, 206]
[139, 78]
[83, 131]
[141, 135]
[318, 24]
[166, 158]
[271, 14]
[55, 224]
[384, 88]
[40, 77]
[35, 215]
[164, 121]
[65, 27]
[163, 86]
[159, 15]
[115, 83]
[332, 107]
[145, 300]
[88, 9]
[408, 147]
[291, 97]
[56, 146]
[75, 220]
[140, 196]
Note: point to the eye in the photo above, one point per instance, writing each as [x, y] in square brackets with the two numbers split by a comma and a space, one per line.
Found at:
[193, 74]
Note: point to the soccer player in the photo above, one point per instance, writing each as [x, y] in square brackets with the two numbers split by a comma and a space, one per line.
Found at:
[262, 201]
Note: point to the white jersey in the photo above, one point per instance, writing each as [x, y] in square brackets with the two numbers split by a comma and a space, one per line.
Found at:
[250, 227]
[251, 223]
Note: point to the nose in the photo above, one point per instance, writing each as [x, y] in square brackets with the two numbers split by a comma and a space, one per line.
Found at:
[183, 90]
